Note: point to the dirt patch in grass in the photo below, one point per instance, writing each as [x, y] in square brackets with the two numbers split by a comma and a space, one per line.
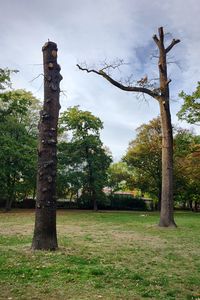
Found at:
[12, 229]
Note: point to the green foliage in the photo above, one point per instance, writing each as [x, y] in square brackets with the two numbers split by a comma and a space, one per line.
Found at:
[120, 177]
[126, 202]
[81, 123]
[144, 157]
[5, 78]
[187, 168]
[18, 130]
[190, 110]
[83, 161]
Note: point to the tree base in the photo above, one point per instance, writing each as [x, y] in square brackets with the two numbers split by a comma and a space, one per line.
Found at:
[167, 223]
[45, 245]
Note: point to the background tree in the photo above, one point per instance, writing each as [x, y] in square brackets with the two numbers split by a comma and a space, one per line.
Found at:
[5, 80]
[89, 160]
[121, 177]
[190, 110]
[187, 168]
[18, 143]
[144, 155]
[161, 94]
[70, 170]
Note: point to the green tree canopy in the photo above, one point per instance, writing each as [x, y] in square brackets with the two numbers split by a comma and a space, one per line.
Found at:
[18, 143]
[83, 160]
[187, 168]
[120, 177]
[190, 110]
[5, 78]
[144, 156]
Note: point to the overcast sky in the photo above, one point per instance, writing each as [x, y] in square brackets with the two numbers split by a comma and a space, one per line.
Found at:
[95, 31]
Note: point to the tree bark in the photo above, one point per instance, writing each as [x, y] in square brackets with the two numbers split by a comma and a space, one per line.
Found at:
[166, 212]
[45, 236]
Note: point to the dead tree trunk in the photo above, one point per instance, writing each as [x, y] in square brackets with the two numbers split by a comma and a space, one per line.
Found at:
[161, 94]
[166, 212]
[45, 236]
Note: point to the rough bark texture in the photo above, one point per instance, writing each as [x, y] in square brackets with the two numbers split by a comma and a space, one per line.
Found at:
[45, 237]
[162, 96]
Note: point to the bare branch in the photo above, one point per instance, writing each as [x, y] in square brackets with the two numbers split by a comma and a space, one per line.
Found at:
[63, 92]
[36, 77]
[168, 81]
[120, 85]
[156, 40]
[173, 43]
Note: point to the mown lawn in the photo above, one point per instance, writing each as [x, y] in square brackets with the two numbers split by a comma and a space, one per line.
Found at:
[104, 255]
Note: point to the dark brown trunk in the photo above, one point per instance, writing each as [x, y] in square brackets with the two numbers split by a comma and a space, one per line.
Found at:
[92, 191]
[70, 200]
[159, 200]
[11, 194]
[196, 206]
[34, 192]
[45, 236]
[94, 199]
[191, 204]
[8, 204]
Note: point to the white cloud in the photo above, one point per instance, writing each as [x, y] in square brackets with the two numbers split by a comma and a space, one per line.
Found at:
[88, 30]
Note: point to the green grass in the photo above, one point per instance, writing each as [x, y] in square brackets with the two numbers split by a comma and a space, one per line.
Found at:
[104, 255]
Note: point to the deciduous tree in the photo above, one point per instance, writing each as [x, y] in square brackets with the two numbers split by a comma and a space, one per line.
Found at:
[18, 145]
[88, 158]
[190, 110]
[144, 155]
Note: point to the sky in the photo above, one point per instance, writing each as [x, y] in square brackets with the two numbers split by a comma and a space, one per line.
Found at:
[95, 31]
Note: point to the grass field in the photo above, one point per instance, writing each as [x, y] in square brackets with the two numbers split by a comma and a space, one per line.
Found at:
[104, 255]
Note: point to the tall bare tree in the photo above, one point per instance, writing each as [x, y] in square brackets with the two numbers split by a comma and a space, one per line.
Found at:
[161, 94]
[45, 237]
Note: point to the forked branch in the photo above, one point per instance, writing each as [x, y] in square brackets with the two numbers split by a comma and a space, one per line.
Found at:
[160, 42]
[173, 43]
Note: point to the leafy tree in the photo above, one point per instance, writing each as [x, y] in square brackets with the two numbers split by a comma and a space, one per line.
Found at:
[161, 94]
[187, 168]
[70, 170]
[144, 155]
[5, 78]
[18, 145]
[190, 110]
[88, 160]
[120, 177]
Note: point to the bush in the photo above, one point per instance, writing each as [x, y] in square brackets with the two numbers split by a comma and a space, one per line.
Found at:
[126, 202]
[113, 202]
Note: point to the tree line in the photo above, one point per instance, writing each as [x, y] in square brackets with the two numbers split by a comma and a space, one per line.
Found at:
[84, 163]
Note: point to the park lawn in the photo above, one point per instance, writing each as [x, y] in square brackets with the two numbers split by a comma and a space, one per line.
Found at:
[103, 255]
